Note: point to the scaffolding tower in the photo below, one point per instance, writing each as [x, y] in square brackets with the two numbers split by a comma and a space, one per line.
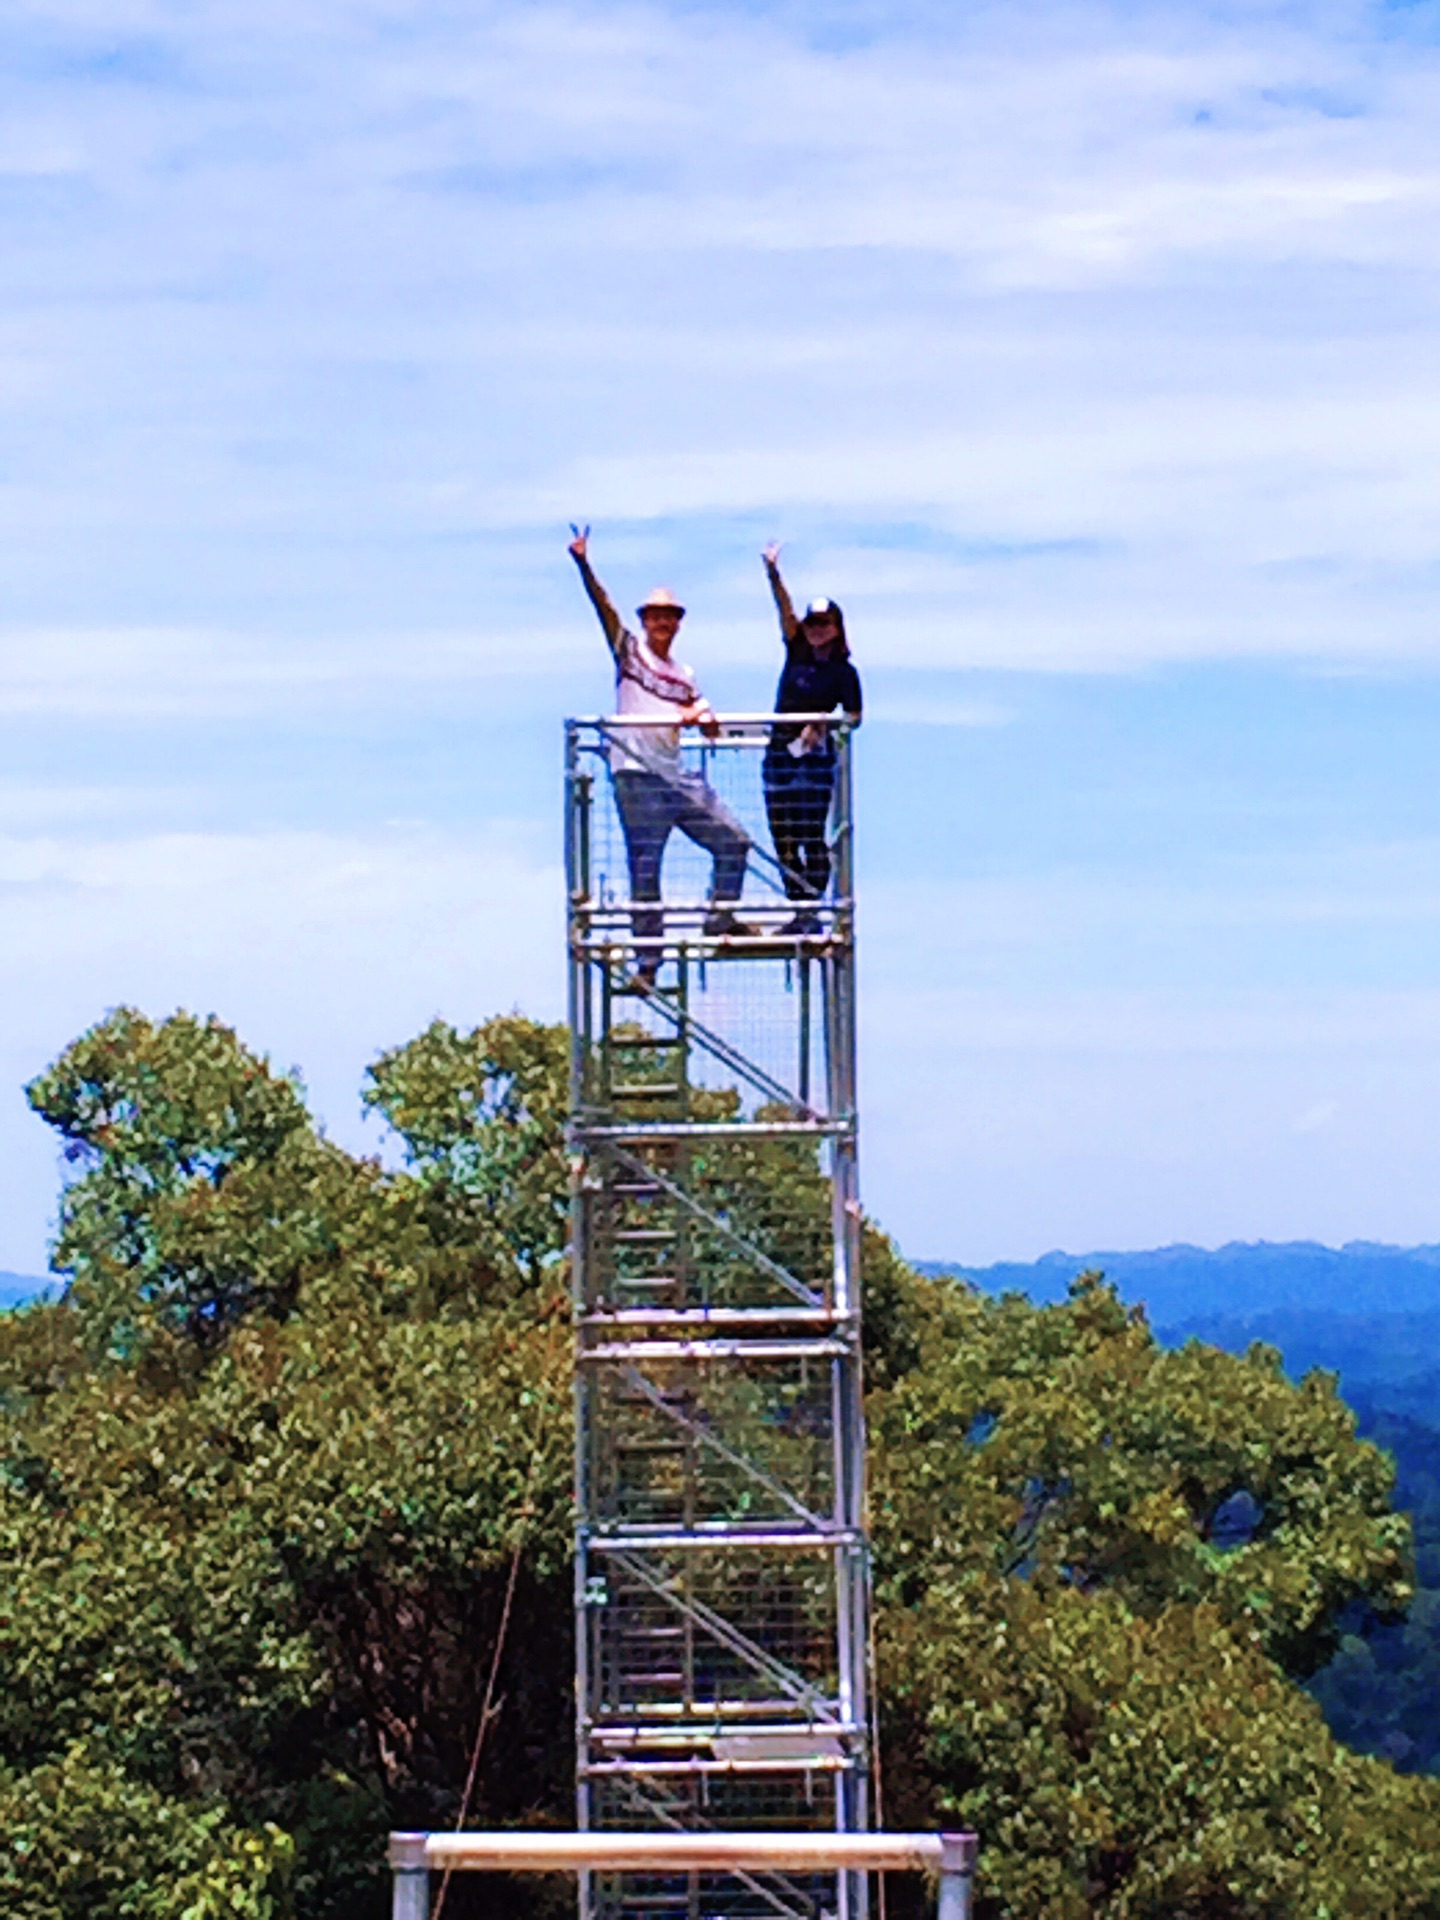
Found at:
[722, 1575]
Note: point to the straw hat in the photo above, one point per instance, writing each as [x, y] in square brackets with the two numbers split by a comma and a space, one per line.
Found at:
[660, 597]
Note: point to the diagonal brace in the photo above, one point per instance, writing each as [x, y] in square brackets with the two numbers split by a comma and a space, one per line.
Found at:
[664, 1815]
[776, 1272]
[635, 1378]
[688, 1027]
[719, 1628]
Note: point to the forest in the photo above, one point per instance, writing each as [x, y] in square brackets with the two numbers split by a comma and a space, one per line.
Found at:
[271, 1462]
[1365, 1313]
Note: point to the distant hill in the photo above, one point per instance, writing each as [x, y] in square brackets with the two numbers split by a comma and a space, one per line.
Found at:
[1386, 1361]
[1370, 1313]
[1180, 1283]
[17, 1288]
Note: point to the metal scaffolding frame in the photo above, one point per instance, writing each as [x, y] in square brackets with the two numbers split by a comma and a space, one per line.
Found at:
[722, 1571]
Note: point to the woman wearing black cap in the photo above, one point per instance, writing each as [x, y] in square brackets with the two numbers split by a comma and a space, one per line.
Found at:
[799, 766]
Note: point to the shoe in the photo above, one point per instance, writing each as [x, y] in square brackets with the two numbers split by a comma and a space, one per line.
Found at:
[805, 926]
[722, 924]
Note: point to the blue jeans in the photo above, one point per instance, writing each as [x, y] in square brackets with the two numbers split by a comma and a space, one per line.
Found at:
[651, 806]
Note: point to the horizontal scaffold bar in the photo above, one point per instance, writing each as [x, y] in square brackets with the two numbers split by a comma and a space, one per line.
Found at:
[700, 1350]
[718, 1317]
[609, 923]
[684, 1852]
[666, 721]
[608, 946]
[722, 1534]
[696, 1763]
[759, 1733]
[645, 1130]
[702, 1718]
[699, 908]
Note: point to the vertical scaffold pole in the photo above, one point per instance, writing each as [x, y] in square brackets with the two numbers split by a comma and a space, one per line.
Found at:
[957, 1875]
[411, 1877]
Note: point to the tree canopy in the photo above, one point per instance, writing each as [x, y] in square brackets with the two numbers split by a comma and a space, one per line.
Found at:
[1102, 1568]
[263, 1470]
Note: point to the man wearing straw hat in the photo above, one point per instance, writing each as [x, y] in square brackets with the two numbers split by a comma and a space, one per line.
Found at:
[654, 791]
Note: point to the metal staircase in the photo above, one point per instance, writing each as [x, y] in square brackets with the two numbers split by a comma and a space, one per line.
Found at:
[721, 1565]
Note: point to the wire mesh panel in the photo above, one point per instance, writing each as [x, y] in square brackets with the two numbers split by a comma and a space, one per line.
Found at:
[702, 1225]
[722, 1578]
[734, 792]
[712, 1445]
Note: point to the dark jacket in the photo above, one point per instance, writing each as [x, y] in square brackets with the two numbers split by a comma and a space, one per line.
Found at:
[808, 685]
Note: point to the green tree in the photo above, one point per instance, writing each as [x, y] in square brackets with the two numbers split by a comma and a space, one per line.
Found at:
[264, 1469]
[204, 1193]
[255, 1558]
[482, 1116]
[1381, 1692]
[81, 1836]
[1101, 1568]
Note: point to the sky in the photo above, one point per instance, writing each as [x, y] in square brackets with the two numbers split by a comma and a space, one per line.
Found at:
[1086, 354]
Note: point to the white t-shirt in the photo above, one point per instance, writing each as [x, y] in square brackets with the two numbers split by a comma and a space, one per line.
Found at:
[649, 688]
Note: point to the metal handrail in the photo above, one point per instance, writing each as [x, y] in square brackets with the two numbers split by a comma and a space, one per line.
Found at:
[951, 1856]
[725, 720]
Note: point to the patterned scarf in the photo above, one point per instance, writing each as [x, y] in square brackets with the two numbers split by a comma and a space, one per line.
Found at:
[638, 664]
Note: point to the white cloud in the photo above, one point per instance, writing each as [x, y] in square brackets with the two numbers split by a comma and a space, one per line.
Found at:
[1000, 1125]
[1077, 336]
[133, 673]
[358, 282]
[319, 948]
[939, 713]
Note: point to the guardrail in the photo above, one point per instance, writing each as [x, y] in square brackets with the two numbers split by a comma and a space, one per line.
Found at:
[414, 1856]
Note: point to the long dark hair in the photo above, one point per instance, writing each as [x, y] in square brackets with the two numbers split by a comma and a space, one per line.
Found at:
[842, 644]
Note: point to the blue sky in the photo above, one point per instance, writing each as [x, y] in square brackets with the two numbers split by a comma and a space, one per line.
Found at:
[1086, 353]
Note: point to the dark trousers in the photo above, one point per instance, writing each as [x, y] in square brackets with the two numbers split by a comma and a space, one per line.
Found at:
[797, 801]
[651, 806]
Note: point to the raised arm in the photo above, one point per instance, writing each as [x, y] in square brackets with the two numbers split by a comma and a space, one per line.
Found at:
[789, 625]
[599, 598]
